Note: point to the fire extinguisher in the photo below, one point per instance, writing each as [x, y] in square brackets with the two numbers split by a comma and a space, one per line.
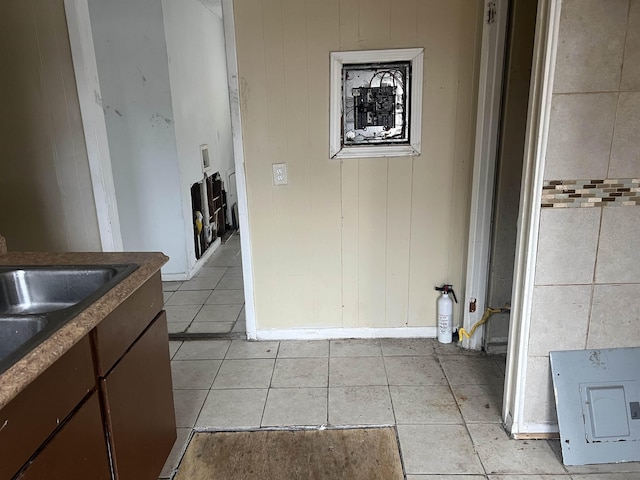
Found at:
[445, 313]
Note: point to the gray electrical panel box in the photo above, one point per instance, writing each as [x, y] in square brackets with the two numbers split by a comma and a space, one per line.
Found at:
[598, 404]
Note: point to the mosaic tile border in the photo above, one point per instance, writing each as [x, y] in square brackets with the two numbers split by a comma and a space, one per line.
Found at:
[618, 192]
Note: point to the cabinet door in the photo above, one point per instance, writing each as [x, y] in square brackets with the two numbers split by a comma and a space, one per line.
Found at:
[77, 451]
[139, 402]
[30, 418]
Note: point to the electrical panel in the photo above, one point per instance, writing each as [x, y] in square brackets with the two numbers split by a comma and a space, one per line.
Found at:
[374, 107]
[375, 103]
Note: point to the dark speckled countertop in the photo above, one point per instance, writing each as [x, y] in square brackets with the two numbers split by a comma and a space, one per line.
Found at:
[21, 374]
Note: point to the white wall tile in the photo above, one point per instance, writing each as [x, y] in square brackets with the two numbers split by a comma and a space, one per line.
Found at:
[591, 45]
[567, 244]
[631, 61]
[539, 402]
[618, 248]
[625, 149]
[560, 318]
[580, 135]
[615, 321]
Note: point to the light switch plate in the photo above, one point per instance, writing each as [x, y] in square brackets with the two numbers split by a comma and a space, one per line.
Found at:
[280, 173]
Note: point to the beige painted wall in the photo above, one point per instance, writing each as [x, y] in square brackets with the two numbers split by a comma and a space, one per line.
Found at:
[46, 197]
[587, 279]
[354, 243]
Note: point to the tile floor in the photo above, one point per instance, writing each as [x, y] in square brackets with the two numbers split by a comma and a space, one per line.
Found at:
[444, 402]
[213, 301]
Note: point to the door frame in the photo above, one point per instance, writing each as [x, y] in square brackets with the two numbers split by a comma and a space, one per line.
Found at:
[238, 153]
[95, 130]
[93, 123]
[485, 156]
[537, 131]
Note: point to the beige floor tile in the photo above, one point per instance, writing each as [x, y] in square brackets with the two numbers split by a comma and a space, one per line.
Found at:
[181, 313]
[251, 373]
[438, 449]
[232, 409]
[300, 372]
[606, 476]
[446, 477]
[500, 454]
[354, 371]
[536, 477]
[170, 286]
[240, 326]
[234, 272]
[195, 297]
[183, 435]
[218, 313]
[166, 296]
[465, 370]
[424, 370]
[295, 406]
[203, 350]
[230, 283]
[187, 405]
[355, 348]
[212, 272]
[210, 327]
[303, 348]
[174, 346]
[226, 297]
[199, 283]
[395, 347]
[194, 374]
[479, 403]
[246, 349]
[360, 406]
[177, 327]
[424, 404]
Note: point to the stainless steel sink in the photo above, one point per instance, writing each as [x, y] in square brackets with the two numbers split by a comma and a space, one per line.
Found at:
[36, 301]
[43, 290]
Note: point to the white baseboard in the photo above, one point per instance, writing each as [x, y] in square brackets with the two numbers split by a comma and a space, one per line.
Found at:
[336, 332]
[183, 276]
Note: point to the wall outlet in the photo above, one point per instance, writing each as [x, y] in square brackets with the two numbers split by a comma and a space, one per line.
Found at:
[279, 173]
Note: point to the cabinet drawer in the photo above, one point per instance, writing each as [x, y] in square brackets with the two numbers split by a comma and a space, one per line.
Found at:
[40, 408]
[115, 334]
[139, 403]
[78, 451]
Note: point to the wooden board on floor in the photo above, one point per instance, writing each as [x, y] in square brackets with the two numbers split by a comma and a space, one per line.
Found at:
[355, 454]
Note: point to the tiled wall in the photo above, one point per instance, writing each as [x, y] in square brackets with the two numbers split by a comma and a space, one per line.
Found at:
[587, 280]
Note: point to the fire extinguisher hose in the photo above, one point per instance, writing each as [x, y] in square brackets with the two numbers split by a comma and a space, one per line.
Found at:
[485, 316]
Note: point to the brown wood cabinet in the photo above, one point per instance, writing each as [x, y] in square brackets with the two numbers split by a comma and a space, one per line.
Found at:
[77, 452]
[104, 410]
[140, 406]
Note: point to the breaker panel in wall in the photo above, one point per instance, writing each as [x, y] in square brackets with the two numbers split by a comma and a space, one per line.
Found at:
[375, 103]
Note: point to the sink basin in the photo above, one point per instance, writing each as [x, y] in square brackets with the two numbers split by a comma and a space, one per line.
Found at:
[43, 290]
[36, 301]
[16, 330]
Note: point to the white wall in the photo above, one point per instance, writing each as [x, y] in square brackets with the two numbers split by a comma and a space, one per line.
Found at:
[131, 53]
[198, 75]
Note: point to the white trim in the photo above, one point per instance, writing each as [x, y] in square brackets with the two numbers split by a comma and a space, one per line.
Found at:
[238, 150]
[484, 166]
[413, 55]
[181, 277]
[540, 99]
[333, 333]
[532, 429]
[95, 130]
